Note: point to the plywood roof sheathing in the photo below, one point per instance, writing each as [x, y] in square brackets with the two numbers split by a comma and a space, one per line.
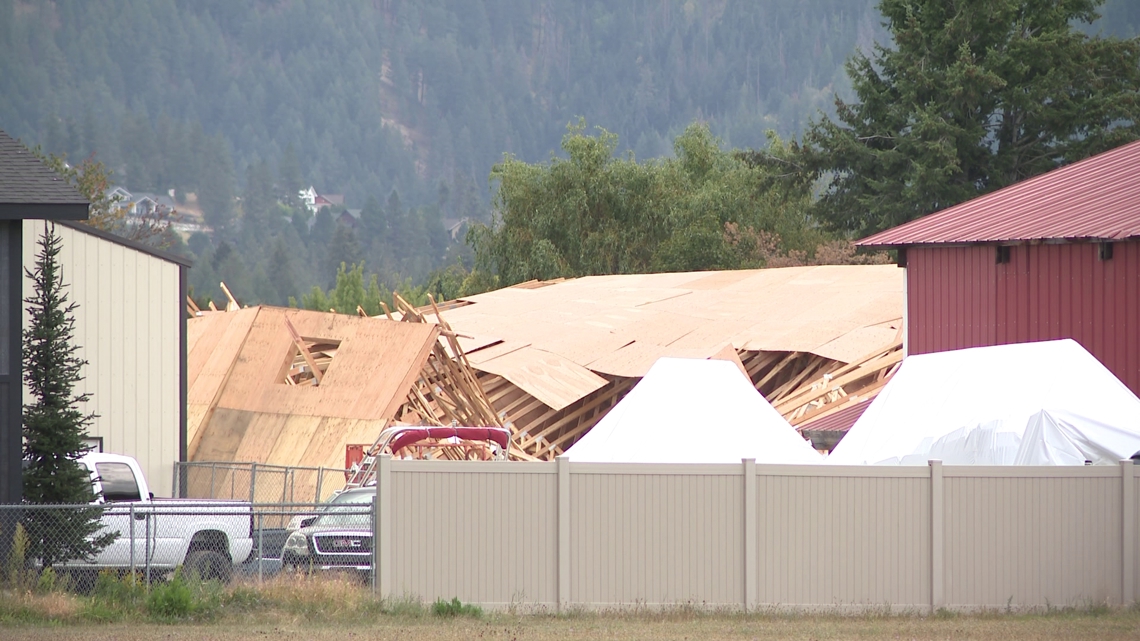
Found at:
[533, 343]
[547, 359]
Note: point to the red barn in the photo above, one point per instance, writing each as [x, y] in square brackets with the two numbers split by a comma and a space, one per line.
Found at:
[1055, 256]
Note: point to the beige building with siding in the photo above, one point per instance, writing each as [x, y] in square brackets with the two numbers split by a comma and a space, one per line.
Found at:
[130, 326]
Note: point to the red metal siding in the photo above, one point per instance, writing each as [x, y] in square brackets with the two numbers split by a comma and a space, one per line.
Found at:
[950, 298]
[960, 297]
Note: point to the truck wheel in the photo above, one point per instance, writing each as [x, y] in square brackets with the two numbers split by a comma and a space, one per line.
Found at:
[209, 565]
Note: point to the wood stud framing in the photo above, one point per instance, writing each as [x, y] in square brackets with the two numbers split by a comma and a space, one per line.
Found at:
[448, 391]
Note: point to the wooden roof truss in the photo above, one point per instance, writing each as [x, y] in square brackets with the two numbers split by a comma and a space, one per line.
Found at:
[448, 390]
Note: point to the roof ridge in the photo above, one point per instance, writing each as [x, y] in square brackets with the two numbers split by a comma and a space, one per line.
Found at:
[1096, 197]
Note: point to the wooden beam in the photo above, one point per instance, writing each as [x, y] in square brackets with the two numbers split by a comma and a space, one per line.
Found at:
[619, 387]
[867, 359]
[757, 361]
[806, 395]
[232, 305]
[589, 423]
[814, 364]
[300, 343]
[830, 408]
[776, 369]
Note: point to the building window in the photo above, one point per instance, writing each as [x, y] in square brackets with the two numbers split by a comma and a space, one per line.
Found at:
[1003, 254]
[1106, 251]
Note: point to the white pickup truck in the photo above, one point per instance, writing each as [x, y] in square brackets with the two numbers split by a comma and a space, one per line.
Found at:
[205, 537]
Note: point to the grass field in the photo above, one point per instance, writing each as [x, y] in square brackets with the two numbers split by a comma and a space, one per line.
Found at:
[998, 627]
[340, 610]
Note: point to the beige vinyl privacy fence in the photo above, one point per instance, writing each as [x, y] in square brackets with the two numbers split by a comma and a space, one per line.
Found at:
[749, 536]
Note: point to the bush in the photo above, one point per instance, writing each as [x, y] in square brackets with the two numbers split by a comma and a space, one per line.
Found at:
[114, 597]
[454, 608]
[171, 600]
[120, 591]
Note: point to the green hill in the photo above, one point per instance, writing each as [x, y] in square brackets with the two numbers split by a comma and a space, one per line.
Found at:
[417, 97]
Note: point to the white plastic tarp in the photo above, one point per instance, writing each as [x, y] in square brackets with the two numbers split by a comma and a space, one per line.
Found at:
[1045, 403]
[693, 411]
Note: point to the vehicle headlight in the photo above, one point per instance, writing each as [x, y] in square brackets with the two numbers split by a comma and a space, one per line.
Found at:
[297, 544]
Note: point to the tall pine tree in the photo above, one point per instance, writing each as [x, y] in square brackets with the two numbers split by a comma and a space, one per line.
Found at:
[972, 96]
[54, 426]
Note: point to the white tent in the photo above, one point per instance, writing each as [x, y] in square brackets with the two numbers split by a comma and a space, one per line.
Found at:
[1046, 403]
[693, 411]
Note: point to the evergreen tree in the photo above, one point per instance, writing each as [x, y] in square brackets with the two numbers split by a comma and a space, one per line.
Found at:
[397, 231]
[142, 153]
[231, 270]
[199, 243]
[320, 235]
[216, 189]
[342, 248]
[289, 178]
[350, 292]
[972, 96]
[262, 288]
[257, 199]
[373, 226]
[281, 271]
[54, 427]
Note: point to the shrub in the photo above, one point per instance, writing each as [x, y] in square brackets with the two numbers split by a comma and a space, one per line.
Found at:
[171, 600]
[455, 608]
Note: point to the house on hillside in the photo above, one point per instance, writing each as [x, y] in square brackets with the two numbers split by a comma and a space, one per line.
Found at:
[349, 218]
[119, 194]
[309, 198]
[141, 203]
[1055, 256]
[147, 204]
[314, 201]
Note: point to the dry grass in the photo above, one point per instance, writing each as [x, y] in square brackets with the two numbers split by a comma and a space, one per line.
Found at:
[337, 608]
[281, 626]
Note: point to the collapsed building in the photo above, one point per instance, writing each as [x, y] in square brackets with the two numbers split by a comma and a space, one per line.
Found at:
[294, 388]
[546, 359]
[554, 356]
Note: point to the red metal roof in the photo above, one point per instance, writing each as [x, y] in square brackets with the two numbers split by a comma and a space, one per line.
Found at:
[840, 421]
[1096, 198]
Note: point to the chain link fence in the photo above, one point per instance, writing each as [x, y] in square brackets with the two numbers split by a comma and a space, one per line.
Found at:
[219, 540]
[257, 482]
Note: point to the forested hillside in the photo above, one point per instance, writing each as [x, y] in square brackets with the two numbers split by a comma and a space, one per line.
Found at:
[401, 106]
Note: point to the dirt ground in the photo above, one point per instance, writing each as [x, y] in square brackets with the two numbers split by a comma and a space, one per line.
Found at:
[996, 627]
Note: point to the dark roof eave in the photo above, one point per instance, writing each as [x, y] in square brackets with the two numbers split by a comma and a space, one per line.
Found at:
[997, 241]
[44, 211]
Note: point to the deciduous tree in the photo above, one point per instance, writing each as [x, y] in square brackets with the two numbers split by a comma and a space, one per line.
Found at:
[595, 213]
